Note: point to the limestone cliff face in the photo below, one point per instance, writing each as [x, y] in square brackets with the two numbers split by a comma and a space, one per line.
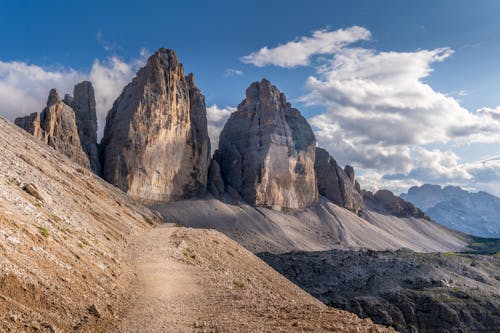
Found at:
[56, 126]
[83, 103]
[266, 151]
[339, 186]
[155, 145]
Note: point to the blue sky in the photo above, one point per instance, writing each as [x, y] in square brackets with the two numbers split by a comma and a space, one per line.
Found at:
[108, 40]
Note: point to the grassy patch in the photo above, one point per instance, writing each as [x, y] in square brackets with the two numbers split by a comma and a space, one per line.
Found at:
[38, 204]
[147, 220]
[479, 245]
[44, 231]
[56, 218]
[189, 254]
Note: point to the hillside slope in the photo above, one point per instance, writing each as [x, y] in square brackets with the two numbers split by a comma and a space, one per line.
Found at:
[77, 255]
[61, 240]
[323, 227]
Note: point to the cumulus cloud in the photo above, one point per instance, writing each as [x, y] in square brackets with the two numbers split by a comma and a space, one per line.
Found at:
[379, 102]
[299, 51]
[492, 113]
[24, 87]
[216, 118]
[233, 72]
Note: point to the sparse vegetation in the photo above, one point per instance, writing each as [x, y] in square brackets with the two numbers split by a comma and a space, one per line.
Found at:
[148, 220]
[56, 218]
[44, 231]
[38, 204]
[479, 245]
[178, 225]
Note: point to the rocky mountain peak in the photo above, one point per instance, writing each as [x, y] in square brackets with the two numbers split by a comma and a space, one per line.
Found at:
[53, 97]
[267, 150]
[84, 105]
[155, 145]
[56, 126]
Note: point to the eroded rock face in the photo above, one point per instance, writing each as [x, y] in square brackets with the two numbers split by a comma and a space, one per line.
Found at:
[339, 186]
[385, 200]
[83, 103]
[267, 150]
[155, 145]
[56, 126]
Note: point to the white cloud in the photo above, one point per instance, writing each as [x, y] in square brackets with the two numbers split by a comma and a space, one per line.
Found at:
[493, 113]
[217, 118]
[233, 72]
[109, 77]
[299, 51]
[24, 87]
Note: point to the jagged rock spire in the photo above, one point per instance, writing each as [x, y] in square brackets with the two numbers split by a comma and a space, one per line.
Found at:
[155, 145]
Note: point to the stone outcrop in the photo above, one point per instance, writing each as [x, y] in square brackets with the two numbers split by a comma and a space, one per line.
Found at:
[155, 145]
[56, 126]
[386, 201]
[267, 150]
[84, 105]
[339, 186]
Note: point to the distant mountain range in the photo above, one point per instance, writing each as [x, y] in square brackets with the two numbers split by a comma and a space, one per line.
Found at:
[473, 213]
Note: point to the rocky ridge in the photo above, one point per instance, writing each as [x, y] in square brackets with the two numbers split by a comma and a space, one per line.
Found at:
[473, 213]
[155, 145]
[56, 126]
[337, 184]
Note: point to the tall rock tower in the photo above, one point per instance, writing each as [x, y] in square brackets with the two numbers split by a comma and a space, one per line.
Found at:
[155, 145]
[83, 103]
[267, 151]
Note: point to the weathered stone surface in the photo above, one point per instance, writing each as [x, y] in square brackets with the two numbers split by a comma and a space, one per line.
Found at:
[155, 145]
[339, 186]
[266, 151]
[83, 103]
[56, 126]
[385, 200]
[215, 181]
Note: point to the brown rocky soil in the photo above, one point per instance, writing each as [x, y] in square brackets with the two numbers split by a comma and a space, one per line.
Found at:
[197, 280]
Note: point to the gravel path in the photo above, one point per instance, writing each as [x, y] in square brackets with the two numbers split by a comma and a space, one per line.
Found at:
[195, 280]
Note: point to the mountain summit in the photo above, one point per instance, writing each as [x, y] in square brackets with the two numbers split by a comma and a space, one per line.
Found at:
[155, 145]
[267, 151]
